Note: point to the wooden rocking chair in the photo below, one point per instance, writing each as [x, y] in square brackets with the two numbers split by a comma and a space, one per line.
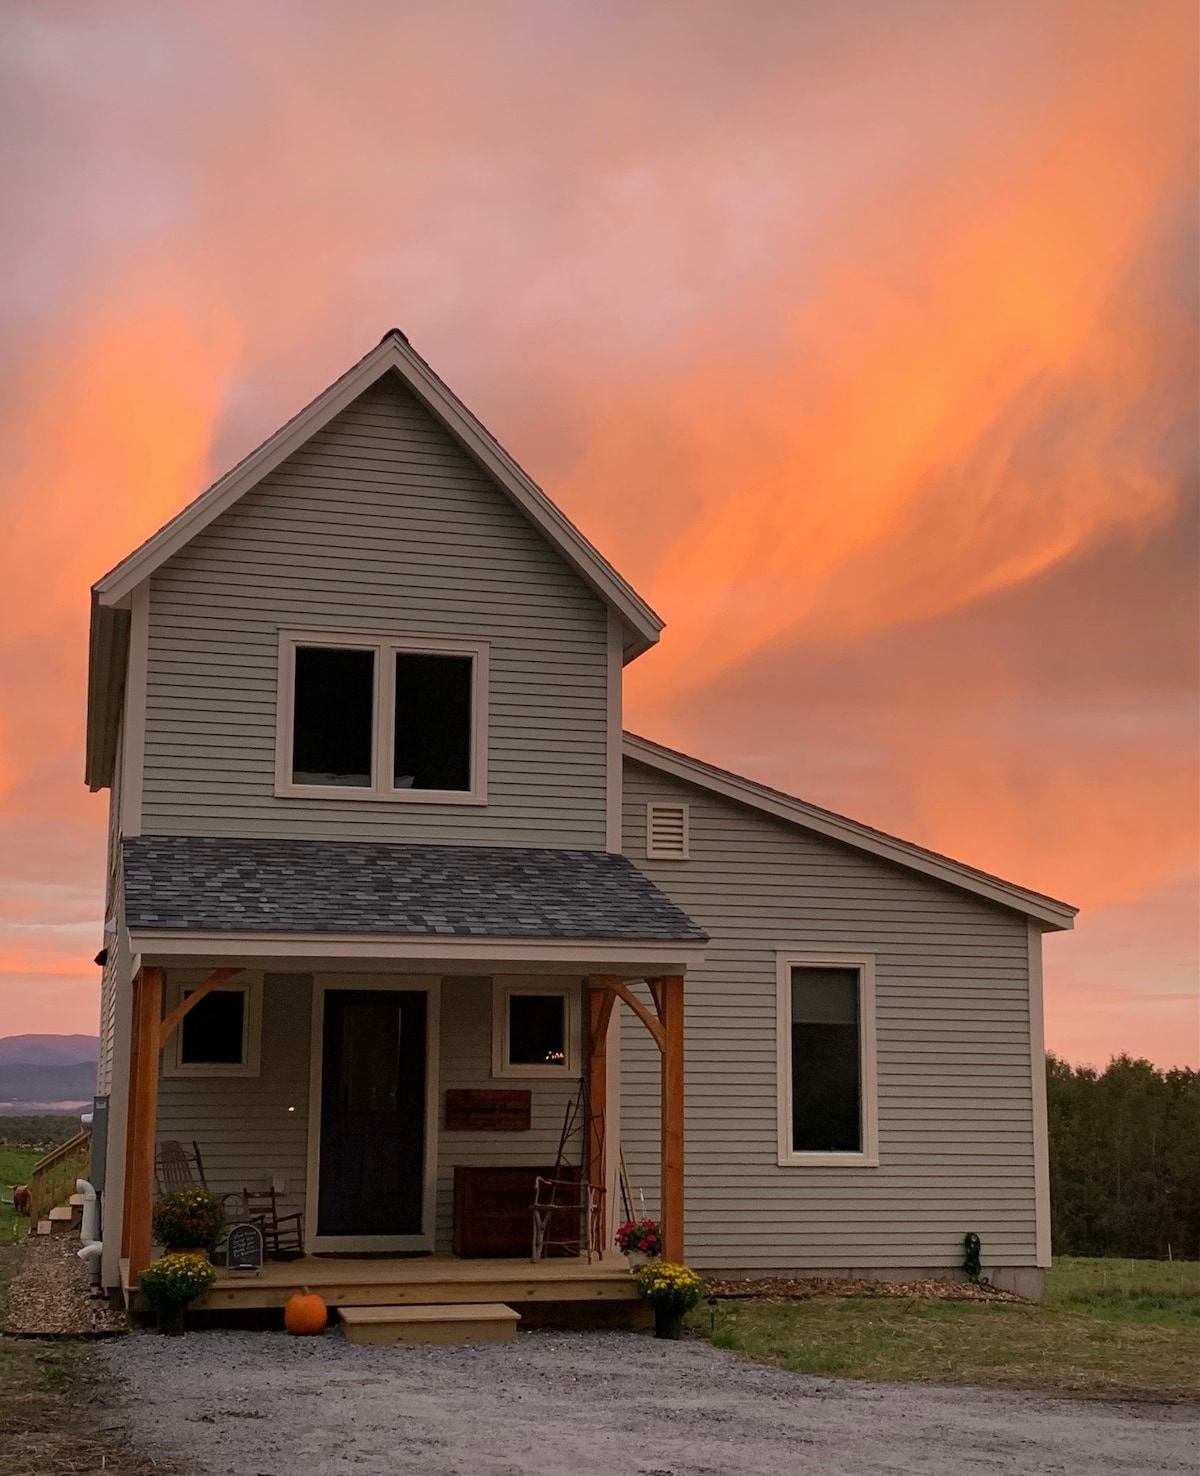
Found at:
[283, 1237]
[176, 1168]
[568, 1212]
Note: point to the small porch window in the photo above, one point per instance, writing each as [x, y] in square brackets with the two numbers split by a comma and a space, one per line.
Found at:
[535, 1029]
[381, 718]
[827, 1094]
[221, 1035]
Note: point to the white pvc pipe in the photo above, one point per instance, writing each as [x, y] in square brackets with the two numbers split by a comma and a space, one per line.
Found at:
[89, 1230]
[90, 1256]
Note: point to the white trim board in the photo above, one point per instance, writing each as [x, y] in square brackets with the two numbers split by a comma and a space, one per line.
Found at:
[633, 959]
[1041, 1120]
[1050, 912]
[322, 984]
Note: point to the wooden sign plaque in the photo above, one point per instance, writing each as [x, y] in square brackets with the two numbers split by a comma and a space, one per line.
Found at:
[488, 1111]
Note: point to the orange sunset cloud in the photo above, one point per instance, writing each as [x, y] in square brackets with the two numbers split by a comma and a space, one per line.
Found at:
[862, 340]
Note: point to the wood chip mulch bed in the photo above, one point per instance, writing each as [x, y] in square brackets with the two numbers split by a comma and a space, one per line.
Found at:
[49, 1297]
[804, 1289]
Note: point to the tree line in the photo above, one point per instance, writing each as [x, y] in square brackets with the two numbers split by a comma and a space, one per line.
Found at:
[1124, 1160]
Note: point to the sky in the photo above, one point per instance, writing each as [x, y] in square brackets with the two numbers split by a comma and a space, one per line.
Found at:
[860, 336]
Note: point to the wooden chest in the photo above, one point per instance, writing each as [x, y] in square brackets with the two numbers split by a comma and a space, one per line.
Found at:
[493, 1209]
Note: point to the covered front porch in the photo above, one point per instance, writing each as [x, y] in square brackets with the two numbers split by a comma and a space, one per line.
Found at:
[565, 1289]
[453, 1157]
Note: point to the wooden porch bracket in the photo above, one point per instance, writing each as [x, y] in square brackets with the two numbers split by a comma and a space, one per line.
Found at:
[665, 1026]
[192, 999]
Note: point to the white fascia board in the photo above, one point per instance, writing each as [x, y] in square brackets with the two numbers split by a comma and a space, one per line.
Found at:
[1054, 914]
[392, 354]
[596, 955]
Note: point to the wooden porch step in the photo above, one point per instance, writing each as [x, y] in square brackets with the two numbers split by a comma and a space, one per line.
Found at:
[456, 1322]
[61, 1219]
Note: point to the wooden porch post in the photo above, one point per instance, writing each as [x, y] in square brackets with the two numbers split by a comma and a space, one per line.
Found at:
[143, 1113]
[600, 1000]
[668, 997]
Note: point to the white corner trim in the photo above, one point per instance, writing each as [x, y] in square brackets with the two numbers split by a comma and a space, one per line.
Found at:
[385, 647]
[864, 962]
[133, 725]
[614, 759]
[1041, 1121]
[506, 985]
[251, 985]
[314, 1242]
[744, 791]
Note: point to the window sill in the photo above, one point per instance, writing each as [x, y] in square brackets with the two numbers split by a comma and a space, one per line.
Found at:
[204, 1070]
[536, 1073]
[829, 1160]
[381, 796]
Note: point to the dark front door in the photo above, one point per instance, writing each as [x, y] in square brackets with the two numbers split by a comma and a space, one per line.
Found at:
[372, 1112]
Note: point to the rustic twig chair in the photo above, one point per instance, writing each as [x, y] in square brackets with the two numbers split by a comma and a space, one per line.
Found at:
[568, 1212]
[283, 1236]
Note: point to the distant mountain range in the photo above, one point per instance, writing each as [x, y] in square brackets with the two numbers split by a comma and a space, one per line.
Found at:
[47, 1073]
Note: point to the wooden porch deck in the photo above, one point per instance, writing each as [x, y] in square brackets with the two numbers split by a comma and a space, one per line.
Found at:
[344, 1281]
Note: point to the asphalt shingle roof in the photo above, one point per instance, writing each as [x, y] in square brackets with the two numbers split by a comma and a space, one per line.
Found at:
[208, 883]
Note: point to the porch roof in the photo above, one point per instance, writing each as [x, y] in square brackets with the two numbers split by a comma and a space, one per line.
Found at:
[228, 884]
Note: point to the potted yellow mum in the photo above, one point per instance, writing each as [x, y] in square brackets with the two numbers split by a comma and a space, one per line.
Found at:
[672, 1291]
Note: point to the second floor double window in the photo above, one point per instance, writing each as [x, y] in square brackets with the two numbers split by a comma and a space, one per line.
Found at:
[382, 718]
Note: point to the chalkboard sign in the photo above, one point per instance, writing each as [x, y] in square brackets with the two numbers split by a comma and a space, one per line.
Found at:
[483, 1111]
[244, 1249]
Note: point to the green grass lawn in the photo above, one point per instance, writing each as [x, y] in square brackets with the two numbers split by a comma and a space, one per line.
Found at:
[1106, 1329]
[15, 1164]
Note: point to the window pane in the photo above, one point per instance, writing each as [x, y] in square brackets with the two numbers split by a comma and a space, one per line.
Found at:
[826, 1073]
[211, 1031]
[537, 1030]
[433, 722]
[332, 718]
[370, 1063]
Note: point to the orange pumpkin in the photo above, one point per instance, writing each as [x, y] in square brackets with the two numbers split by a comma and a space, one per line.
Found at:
[305, 1314]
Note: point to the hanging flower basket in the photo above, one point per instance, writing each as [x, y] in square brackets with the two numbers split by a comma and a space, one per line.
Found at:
[641, 1241]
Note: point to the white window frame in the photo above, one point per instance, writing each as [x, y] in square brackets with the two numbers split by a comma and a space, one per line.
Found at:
[502, 990]
[251, 985]
[652, 852]
[386, 648]
[829, 959]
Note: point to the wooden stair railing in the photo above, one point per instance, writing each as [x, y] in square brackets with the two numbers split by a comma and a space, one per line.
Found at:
[52, 1178]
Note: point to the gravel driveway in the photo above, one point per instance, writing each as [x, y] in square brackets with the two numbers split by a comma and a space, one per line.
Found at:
[596, 1404]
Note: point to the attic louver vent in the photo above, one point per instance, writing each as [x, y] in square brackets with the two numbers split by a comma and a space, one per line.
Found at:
[667, 832]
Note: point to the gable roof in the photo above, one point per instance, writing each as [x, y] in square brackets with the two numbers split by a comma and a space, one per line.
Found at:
[393, 355]
[1049, 911]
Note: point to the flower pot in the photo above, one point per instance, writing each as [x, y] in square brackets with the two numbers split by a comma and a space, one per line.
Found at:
[636, 1259]
[667, 1323]
[170, 1321]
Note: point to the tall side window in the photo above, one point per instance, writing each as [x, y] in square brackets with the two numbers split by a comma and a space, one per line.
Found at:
[827, 1090]
[379, 717]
